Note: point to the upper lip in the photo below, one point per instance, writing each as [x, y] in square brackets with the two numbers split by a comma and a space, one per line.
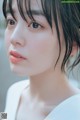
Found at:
[16, 54]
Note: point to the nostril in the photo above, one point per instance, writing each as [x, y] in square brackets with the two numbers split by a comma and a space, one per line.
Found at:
[17, 40]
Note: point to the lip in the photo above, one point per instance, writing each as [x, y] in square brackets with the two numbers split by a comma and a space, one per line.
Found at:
[15, 57]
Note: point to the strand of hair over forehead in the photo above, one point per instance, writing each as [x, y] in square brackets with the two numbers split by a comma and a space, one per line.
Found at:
[25, 5]
[20, 8]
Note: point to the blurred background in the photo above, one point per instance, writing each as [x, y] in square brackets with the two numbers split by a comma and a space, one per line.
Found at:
[7, 78]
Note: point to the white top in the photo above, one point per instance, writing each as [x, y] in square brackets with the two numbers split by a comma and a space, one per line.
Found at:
[69, 109]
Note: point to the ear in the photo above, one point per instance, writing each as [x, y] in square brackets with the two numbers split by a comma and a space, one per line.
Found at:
[74, 49]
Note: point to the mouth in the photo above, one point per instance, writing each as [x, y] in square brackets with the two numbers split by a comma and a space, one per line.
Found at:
[15, 57]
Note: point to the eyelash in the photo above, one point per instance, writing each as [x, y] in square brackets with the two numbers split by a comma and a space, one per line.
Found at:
[35, 25]
[10, 22]
[32, 25]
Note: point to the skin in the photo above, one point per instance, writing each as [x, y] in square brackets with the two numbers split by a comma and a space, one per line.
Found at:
[48, 86]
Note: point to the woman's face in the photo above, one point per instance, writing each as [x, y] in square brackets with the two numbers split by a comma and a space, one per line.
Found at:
[32, 47]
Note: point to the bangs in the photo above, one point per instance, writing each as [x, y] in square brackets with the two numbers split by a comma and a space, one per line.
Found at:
[7, 7]
[25, 5]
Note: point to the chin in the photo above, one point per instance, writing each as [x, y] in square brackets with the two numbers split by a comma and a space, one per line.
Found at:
[16, 70]
[19, 72]
[26, 71]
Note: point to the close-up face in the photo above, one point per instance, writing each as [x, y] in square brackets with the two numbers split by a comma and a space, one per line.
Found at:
[32, 45]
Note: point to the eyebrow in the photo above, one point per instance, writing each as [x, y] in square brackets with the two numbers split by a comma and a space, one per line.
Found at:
[36, 12]
[33, 12]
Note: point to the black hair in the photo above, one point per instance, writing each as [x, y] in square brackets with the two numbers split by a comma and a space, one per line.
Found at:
[69, 15]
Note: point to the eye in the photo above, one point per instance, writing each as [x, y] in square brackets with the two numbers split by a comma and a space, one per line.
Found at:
[34, 25]
[10, 22]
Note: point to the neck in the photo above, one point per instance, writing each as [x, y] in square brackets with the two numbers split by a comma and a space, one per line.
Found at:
[48, 86]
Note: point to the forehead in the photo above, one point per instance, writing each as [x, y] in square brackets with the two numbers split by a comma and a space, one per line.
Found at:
[34, 4]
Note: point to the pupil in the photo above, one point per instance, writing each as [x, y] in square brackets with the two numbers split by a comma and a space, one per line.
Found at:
[11, 22]
[35, 25]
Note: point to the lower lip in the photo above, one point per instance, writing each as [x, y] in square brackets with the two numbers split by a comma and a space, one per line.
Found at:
[16, 60]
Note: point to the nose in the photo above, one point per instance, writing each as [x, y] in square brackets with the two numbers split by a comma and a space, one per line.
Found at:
[17, 37]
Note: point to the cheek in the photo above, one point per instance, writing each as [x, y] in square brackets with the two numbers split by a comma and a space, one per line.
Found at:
[43, 51]
[40, 44]
[44, 46]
